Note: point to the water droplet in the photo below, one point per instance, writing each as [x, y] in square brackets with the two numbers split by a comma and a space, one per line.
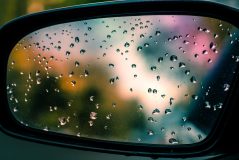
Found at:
[150, 132]
[111, 65]
[38, 80]
[140, 107]
[173, 58]
[157, 33]
[91, 98]
[149, 90]
[151, 119]
[193, 79]
[141, 36]
[108, 116]
[71, 74]
[68, 53]
[15, 109]
[77, 39]
[181, 65]
[77, 64]
[73, 83]
[184, 119]
[212, 45]
[209, 60]
[226, 87]
[91, 123]
[186, 42]
[63, 120]
[93, 115]
[82, 51]
[187, 72]
[173, 141]
[195, 97]
[89, 28]
[113, 105]
[112, 80]
[167, 111]
[199, 136]
[204, 52]
[139, 48]
[126, 44]
[125, 32]
[133, 65]
[78, 134]
[72, 45]
[189, 128]
[86, 73]
[207, 105]
[196, 55]
[155, 111]
[153, 68]
[146, 45]
[160, 59]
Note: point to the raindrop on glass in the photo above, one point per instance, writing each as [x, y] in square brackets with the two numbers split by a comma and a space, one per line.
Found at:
[126, 44]
[173, 141]
[226, 87]
[193, 79]
[167, 111]
[155, 111]
[93, 115]
[173, 58]
[207, 105]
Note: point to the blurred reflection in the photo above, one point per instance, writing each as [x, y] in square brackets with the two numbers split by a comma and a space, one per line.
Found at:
[143, 79]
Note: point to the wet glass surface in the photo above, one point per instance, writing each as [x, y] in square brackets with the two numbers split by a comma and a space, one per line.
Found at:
[141, 79]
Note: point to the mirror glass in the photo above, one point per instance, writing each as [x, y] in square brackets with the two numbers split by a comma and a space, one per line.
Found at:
[155, 79]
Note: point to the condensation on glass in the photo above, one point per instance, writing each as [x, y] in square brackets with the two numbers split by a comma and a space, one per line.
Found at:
[143, 79]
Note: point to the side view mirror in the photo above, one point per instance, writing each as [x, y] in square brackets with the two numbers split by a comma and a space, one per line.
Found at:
[149, 78]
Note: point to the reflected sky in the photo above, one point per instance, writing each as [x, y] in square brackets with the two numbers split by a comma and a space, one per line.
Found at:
[144, 79]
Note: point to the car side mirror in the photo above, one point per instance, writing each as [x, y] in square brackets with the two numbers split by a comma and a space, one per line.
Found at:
[150, 78]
